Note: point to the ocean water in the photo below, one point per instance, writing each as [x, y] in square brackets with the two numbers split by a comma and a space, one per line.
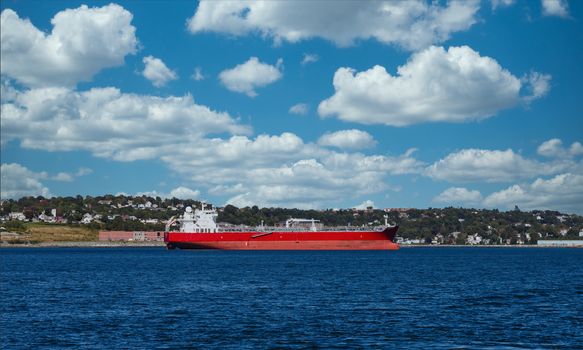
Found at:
[413, 298]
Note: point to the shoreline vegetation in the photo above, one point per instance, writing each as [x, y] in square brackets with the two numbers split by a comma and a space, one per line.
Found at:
[51, 221]
[157, 244]
[83, 244]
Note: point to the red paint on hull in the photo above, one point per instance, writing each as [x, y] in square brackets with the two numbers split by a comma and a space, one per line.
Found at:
[322, 240]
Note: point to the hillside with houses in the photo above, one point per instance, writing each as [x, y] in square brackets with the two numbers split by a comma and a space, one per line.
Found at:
[417, 226]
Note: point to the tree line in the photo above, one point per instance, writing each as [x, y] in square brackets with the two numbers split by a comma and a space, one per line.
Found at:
[454, 224]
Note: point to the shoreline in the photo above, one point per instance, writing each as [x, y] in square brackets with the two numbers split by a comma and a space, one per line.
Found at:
[154, 244]
[86, 244]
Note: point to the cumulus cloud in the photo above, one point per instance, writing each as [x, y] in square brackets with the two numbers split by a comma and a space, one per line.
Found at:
[478, 165]
[435, 85]
[554, 148]
[269, 170]
[299, 108]
[156, 71]
[18, 181]
[241, 157]
[563, 192]
[307, 183]
[109, 123]
[348, 139]
[248, 76]
[266, 170]
[559, 8]
[193, 142]
[408, 24]
[282, 170]
[364, 205]
[180, 192]
[309, 58]
[459, 195]
[82, 42]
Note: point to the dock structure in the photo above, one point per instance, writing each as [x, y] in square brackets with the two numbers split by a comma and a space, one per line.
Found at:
[561, 243]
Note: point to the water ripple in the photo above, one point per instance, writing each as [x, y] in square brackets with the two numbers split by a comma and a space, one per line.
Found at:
[412, 298]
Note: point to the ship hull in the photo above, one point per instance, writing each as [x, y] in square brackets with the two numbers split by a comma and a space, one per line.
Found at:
[326, 240]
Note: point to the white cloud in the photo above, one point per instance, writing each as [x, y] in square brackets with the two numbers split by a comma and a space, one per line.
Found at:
[502, 3]
[83, 172]
[182, 192]
[268, 170]
[197, 75]
[156, 71]
[364, 205]
[65, 177]
[68, 177]
[409, 24]
[307, 183]
[435, 85]
[18, 181]
[222, 189]
[109, 123]
[554, 148]
[460, 196]
[299, 108]
[538, 85]
[348, 139]
[478, 165]
[309, 58]
[563, 192]
[559, 8]
[179, 192]
[238, 158]
[576, 149]
[82, 42]
[248, 76]
[284, 171]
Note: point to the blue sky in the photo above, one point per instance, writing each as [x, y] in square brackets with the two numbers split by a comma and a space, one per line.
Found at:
[296, 104]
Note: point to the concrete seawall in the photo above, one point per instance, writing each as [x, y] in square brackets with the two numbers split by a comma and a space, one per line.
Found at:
[90, 244]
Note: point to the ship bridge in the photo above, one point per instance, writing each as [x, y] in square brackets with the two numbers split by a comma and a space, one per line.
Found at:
[200, 221]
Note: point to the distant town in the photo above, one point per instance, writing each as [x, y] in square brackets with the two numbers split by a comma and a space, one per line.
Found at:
[142, 214]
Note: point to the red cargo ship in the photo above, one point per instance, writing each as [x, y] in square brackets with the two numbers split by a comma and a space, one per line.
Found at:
[198, 230]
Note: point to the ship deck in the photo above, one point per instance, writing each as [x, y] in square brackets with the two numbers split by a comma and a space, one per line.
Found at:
[302, 229]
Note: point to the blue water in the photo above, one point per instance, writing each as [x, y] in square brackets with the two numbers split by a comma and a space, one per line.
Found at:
[412, 298]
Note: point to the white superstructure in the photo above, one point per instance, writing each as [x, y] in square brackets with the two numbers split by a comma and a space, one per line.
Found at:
[204, 221]
[199, 221]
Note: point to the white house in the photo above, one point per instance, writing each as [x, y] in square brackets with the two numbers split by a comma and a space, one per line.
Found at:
[17, 216]
[474, 239]
[87, 218]
[46, 218]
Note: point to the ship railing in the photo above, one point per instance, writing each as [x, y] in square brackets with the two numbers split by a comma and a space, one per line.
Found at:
[301, 229]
